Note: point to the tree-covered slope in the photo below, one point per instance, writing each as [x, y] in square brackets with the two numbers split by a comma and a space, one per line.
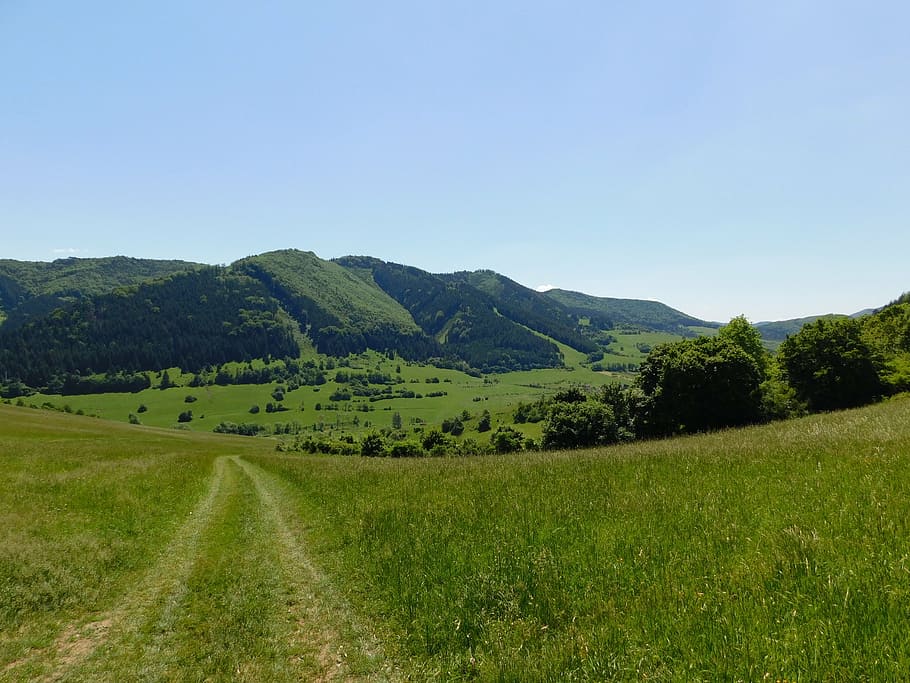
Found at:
[463, 319]
[779, 330]
[607, 313]
[341, 311]
[528, 307]
[191, 320]
[31, 289]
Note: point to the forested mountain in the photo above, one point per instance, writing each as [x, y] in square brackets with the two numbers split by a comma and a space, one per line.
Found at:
[75, 317]
[461, 318]
[31, 289]
[607, 313]
[528, 307]
[202, 317]
[779, 330]
[342, 311]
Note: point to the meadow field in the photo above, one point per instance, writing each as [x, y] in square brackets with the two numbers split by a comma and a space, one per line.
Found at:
[442, 394]
[769, 553]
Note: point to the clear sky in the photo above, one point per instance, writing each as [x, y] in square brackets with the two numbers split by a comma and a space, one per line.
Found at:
[721, 157]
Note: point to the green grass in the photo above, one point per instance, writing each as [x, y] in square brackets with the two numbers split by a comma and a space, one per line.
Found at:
[778, 552]
[782, 551]
[141, 554]
[500, 394]
[85, 507]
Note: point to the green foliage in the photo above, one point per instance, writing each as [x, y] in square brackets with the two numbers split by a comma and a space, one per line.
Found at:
[830, 365]
[579, 425]
[745, 336]
[243, 428]
[372, 445]
[507, 440]
[185, 416]
[152, 326]
[697, 385]
[453, 426]
[603, 313]
[888, 333]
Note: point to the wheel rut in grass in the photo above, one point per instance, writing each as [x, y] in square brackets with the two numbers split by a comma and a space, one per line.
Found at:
[345, 648]
[77, 642]
[233, 596]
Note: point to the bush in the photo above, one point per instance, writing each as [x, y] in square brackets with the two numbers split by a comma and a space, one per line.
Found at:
[830, 365]
[372, 445]
[580, 425]
[185, 416]
[507, 440]
[244, 428]
[405, 449]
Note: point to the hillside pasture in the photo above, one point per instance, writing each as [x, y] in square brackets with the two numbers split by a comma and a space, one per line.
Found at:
[777, 552]
[500, 394]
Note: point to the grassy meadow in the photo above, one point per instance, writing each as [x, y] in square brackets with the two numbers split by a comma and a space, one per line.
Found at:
[312, 408]
[777, 552]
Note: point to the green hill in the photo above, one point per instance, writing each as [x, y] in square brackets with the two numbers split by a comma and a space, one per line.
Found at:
[463, 319]
[608, 313]
[529, 308]
[342, 311]
[193, 319]
[31, 289]
[779, 330]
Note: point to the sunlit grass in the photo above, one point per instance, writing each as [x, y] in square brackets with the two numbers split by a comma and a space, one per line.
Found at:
[780, 551]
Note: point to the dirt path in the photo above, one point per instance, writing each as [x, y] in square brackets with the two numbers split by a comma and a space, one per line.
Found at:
[347, 650]
[233, 596]
[78, 641]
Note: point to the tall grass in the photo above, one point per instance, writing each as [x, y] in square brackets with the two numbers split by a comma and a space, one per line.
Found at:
[779, 552]
[85, 508]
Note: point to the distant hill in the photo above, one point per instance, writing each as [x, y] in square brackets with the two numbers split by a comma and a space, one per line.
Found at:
[528, 307]
[781, 329]
[462, 319]
[341, 310]
[608, 313]
[30, 289]
[776, 331]
[202, 317]
[78, 316]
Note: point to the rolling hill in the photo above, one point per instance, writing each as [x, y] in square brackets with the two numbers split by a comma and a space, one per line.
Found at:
[30, 289]
[608, 313]
[119, 314]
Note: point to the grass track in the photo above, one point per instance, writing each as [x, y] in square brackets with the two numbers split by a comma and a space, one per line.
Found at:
[781, 551]
[137, 554]
[232, 595]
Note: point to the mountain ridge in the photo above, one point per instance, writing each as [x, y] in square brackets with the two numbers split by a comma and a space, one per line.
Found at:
[108, 314]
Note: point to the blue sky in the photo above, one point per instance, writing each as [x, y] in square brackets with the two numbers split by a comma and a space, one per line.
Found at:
[721, 157]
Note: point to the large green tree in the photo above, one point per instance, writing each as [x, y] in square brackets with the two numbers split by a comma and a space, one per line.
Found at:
[697, 385]
[579, 425]
[830, 365]
[740, 332]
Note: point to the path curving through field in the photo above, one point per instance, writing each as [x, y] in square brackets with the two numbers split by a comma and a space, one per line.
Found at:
[233, 596]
